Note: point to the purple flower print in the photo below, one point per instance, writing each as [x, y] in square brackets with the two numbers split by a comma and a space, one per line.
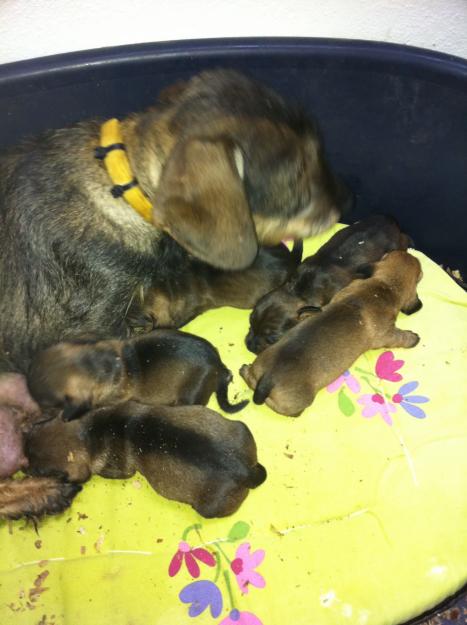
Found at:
[376, 404]
[407, 401]
[241, 618]
[202, 594]
[386, 367]
[346, 378]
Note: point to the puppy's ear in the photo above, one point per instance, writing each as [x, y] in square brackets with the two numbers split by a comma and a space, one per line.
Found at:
[201, 203]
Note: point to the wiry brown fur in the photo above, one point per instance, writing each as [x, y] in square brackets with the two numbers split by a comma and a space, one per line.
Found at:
[188, 453]
[314, 353]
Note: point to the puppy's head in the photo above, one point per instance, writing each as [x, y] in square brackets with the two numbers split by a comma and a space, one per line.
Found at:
[274, 314]
[73, 376]
[245, 168]
[404, 271]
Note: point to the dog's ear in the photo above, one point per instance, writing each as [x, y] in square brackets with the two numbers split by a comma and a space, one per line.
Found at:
[201, 203]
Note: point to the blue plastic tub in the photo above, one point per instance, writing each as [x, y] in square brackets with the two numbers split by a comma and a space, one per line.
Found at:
[394, 118]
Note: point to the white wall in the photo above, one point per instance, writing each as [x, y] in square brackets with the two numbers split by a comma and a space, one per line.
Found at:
[30, 28]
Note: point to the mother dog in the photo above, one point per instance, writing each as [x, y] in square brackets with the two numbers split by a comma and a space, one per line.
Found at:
[220, 165]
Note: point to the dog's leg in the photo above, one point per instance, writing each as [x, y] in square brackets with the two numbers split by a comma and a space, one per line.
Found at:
[399, 338]
[35, 496]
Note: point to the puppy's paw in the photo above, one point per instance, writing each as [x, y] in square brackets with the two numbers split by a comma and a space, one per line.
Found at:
[412, 338]
[33, 497]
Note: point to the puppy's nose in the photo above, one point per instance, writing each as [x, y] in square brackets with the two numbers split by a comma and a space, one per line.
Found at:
[251, 342]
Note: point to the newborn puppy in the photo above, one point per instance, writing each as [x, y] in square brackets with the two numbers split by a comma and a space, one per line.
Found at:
[346, 256]
[189, 453]
[165, 367]
[288, 375]
[173, 302]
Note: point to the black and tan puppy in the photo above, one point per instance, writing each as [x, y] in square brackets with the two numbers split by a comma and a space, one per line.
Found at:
[172, 303]
[164, 367]
[346, 256]
[313, 354]
[189, 453]
[218, 166]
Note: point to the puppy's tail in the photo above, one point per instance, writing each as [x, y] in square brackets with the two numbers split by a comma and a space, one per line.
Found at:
[257, 476]
[262, 390]
[225, 379]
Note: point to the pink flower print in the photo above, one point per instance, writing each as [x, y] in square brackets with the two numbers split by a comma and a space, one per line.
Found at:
[406, 401]
[241, 618]
[374, 404]
[185, 552]
[386, 367]
[346, 378]
[244, 567]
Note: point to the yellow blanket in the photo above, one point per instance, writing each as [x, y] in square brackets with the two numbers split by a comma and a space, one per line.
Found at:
[362, 519]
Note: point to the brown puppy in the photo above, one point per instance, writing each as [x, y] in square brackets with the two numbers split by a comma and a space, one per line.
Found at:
[165, 367]
[288, 375]
[173, 303]
[346, 256]
[188, 453]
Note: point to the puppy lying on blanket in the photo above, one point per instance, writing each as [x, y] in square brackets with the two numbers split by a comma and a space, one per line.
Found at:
[288, 375]
[174, 302]
[165, 367]
[346, 256]
[188, 453]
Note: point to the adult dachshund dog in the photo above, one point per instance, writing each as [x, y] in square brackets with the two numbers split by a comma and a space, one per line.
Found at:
[222, 162]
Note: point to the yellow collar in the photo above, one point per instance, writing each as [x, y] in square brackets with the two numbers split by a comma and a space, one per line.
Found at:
[111, 151]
